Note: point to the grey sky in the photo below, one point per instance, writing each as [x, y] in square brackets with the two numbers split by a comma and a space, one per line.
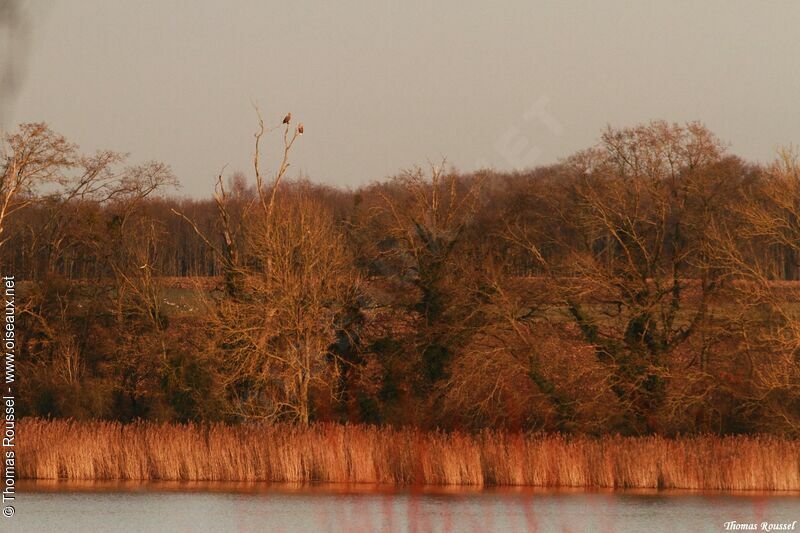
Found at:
[382, 85]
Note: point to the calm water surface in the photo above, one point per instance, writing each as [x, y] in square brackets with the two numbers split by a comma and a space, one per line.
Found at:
[67, 507]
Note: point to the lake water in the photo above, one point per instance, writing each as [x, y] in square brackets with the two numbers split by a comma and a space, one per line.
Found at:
[222, 507]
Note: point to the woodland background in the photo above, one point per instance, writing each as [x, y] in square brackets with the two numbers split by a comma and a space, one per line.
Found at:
[645, 285]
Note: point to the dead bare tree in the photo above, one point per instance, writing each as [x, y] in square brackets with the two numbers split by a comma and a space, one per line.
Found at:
[288, 277]
[279, 336]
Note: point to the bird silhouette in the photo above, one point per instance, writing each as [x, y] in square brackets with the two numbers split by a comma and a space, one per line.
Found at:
[300, 129]
[287, 118]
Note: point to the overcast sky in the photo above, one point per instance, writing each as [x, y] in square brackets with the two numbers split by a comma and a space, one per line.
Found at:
[381, 86]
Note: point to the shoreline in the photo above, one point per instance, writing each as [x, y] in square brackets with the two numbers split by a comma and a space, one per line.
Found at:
[30, 486]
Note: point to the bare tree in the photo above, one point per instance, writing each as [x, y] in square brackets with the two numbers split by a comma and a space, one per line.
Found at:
[766, 383]
[31, 157]
[288, 278]
[278, 336]
[635, 277]
[518, 369]
[423, 220]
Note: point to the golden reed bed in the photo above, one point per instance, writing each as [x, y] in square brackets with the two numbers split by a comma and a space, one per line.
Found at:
[52, 449]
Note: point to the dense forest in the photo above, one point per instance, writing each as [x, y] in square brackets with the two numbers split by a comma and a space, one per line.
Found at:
[644, 285]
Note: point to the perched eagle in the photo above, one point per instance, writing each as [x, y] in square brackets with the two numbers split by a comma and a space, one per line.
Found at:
[300, 129]
[287, 118]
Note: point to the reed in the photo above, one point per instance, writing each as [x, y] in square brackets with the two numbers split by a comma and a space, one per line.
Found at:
[66, 449]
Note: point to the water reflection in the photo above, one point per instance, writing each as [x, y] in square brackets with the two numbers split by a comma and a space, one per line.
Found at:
[220, 507]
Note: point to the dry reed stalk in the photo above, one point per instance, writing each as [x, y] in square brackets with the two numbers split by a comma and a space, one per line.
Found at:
[66, 449]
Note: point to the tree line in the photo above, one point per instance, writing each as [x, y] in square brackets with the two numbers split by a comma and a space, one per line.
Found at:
[643, 285]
